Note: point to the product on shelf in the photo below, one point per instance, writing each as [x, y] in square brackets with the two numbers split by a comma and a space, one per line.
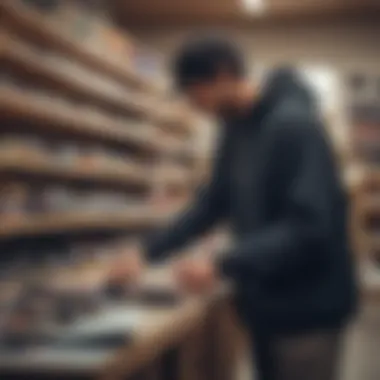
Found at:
[75, 83]
[14, 197]
[61, 199]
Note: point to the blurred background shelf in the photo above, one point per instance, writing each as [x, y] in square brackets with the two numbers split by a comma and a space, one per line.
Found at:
[31, 66]
[124, 178]
[31, 25]
[132, 218]
[57, 117]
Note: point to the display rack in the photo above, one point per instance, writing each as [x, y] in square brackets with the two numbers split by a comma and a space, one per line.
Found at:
[122, 110]
[28, 23]
[92, 155]
[25, 23]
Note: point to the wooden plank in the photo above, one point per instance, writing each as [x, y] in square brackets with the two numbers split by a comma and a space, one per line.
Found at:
[159, 331]
[165, 331]
[127, 175]
[53, 116]
[53, 223]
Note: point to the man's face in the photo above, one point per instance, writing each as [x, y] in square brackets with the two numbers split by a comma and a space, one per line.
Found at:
[205, 97]
[212, 97]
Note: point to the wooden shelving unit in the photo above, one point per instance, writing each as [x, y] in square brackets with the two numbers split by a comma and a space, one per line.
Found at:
[30, 65]
[130, 175]
[57, 103]
[29, 24]
[91, 156]
[60, 118]
[134, 218]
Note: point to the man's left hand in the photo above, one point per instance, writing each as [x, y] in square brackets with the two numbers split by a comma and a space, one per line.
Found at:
[196, 275]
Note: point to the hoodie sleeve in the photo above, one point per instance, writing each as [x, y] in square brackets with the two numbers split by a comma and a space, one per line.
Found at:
[302, 161]
[209, 206]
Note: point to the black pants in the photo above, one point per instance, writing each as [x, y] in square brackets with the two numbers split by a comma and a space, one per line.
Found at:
[307, 356]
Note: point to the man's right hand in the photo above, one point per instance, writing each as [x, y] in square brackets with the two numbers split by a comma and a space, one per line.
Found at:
[128, 267]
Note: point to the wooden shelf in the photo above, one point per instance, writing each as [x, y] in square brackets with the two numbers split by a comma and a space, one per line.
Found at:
[33, 26]
[129, 175]
[58, 118]
[134, 103]
[32, 66]
[55, 117]
[136, 217]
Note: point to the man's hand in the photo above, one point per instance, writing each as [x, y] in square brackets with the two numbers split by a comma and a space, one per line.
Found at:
[128, 267]
[197, 275]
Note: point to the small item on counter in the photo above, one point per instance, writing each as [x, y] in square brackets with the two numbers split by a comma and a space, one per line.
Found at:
[74, 298]
[21, 333]
[98, 340]
[158, 288]
[109, 329]
[116, 290]
[70, 306]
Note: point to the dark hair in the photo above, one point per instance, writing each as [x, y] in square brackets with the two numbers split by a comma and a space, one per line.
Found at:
[202, 59]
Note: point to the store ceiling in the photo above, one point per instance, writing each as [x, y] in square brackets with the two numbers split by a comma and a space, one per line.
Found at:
[176, 12]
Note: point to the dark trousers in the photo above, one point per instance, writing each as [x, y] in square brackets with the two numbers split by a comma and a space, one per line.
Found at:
[307, 356]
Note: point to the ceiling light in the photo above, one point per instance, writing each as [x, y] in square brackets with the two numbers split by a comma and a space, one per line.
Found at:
[254, 6]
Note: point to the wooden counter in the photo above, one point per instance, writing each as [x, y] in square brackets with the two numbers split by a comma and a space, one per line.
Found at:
[176, 342]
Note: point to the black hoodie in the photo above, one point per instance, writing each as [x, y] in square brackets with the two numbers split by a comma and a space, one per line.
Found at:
[275, 181]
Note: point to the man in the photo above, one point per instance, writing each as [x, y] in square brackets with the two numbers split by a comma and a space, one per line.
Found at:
[276, 183]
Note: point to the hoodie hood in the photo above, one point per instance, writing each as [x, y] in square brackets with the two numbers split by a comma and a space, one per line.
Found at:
[284, 84]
